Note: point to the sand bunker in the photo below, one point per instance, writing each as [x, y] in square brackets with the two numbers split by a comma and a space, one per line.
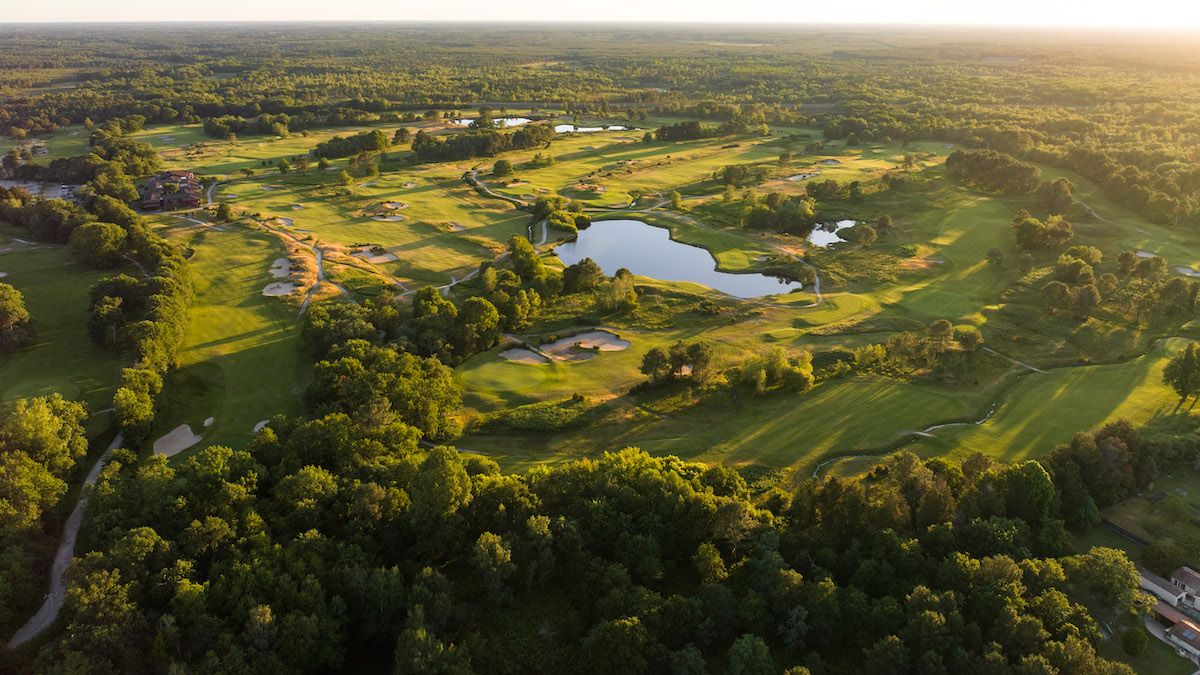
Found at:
[543, 190]
[3, 274]
[1185, 271]
[528, 197]
[804, 176]
[209, 422]
[304, 231]
[368, 254]
[227, 195]
[297, 206]
[518, 183]
[455, 227]
[830, 161]
[599, 340]
[279, 288]
[167, 138]
[281, 267]
[522, 355]
[268, 188]
[761, 258]
[409, 184]
[374, 182]
[260, 426]
[589, 147]
[623, 138]
[286, 222]
[395, 205]
[179, 439]
[1145, 254]
[390, 219]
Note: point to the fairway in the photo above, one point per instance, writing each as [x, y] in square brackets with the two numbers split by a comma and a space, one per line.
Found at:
[503, 376]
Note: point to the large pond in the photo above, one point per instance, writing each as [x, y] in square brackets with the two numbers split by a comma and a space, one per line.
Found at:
[498, 121]
[648, 251]
[825, 234]
[566, 128]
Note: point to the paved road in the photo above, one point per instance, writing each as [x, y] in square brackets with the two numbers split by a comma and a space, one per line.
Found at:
[62, 560]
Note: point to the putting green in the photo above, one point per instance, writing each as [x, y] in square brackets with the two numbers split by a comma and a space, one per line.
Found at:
[504, 376]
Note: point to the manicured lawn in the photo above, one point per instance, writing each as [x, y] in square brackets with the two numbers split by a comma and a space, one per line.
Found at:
[62, 358]
[242, 360]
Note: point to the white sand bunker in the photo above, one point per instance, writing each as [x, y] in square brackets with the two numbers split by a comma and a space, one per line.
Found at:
[167, 138]
[598, 340]
[297, 206]
[3, 274]
[455, 227]
[367, 253]
[830, 161]
[589, 147]
[268, 188]
[395, 205]
[518, 183]
[409, 184]
[543, 190]
[522, 355]
[209, 422]
[762, 258]
[1145, 254]
[286, 222]
[528, 197]
[1185, 271]
[623, 138]
[304, 231]
[260, 426]
[281, 267]
[179, 439]
[331, 168]
[279, 288]
[803, 176]
[228, 195]
[389, 219]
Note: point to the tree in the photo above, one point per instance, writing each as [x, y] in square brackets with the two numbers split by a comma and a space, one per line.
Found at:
[302, 165]
[284, 166]
[655, 364]
[105, 321]
[502, 168]
[676, 201]
[1055, 195]
[1056, 295]
[941, 332]
[582, 277]
[345, 178]
[1182, 372]
[995, 257]
[864, 235]
[1084, 300]
[1134, 641]
[15, 323]
[885, 224]
[402, 135]
[648, 137]
[440, 486]
[749, 655]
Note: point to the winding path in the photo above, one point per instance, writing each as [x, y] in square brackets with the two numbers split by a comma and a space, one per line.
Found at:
[48, 612]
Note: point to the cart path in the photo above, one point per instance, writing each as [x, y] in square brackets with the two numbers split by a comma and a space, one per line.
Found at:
[62, 560]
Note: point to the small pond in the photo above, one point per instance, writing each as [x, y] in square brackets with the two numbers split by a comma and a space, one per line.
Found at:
[499, 121]
[567, 128]
[649, 251]
[825, 234]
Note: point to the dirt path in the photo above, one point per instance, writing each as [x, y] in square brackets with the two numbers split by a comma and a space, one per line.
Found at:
[62, 560]
[473, 179]
[137, 265]
[1019, 363]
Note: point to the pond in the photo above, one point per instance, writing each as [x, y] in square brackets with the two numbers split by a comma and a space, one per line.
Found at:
[825, 234]
[649, 251]
[499, 121]
[566, 128]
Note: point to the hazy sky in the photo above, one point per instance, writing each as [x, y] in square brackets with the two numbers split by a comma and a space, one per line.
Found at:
[1136, 14]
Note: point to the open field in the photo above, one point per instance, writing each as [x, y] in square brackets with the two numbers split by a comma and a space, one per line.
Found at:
[241, 358]
[61, 359]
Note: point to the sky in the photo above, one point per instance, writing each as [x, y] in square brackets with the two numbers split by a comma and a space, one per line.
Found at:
[1175, 14]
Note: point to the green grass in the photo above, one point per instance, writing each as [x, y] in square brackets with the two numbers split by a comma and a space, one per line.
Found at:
[1158, 659]
[62, 358]
[503, 375]
[63, 142]
[1155, 520]
[241, 357]
[1041, 411]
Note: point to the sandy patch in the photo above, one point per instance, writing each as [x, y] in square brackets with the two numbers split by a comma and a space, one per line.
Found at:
[281, 267]
[589, 147]
[389, 219]
[3, 274]
[599, 340]
[286, 222]
[297, 206]
[455, 227]
[522, 355]
[1185, 271]
[176, 441]
[167, 138]
[762, 258]
[830, 161]
[803, 176]
[227, 195]
[410, 185]
[919, 263]
[368, 254]
[395, 205]
[374, 182]
[1145, 254]
[518, 183]
[543, 190]
[260, 426]
[528, 197]
[268, 188]
[279, 288]
[209, 422]
[623, 138]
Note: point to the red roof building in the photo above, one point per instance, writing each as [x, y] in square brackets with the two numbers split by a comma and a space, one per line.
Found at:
[160, 195]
